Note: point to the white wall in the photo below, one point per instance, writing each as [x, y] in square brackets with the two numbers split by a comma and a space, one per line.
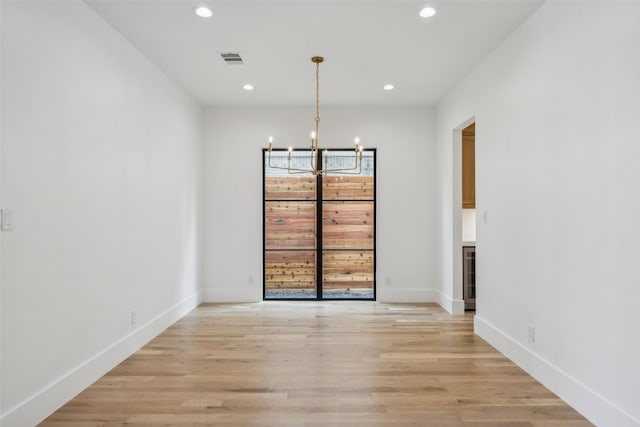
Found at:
[557, 110]
[101, 164]
[404, 138]
[468, 225]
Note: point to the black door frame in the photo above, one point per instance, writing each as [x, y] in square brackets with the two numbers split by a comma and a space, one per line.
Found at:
[319, 249]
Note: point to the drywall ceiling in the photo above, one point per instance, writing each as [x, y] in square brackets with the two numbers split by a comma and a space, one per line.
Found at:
[366, 44]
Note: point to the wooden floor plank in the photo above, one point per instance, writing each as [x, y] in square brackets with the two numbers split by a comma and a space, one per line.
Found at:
[317, 364]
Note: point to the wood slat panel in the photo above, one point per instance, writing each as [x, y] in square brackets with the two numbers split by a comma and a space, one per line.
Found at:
[347, 225]
[290, 225]
[348, 188]
[347, 269]
[290, 270]
[286, 188]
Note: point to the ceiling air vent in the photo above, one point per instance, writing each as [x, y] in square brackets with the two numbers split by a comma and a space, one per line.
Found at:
[232, 58]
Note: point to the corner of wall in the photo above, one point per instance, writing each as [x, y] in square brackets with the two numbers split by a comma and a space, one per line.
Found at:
[585, 400]
[46, 401]
[452, 306]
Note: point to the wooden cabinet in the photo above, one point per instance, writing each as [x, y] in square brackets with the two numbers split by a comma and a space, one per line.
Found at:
[469, 167]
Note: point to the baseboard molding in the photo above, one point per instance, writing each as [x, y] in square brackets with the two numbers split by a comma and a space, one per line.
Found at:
[383, 295]
[231, 295]
[588, 402]
[42, 404]
[452, 306]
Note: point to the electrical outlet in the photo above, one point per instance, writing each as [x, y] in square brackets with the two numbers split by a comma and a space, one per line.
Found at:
[532, 334]
[387, 281]
[133, 317]
[485, 217]
[250, 280]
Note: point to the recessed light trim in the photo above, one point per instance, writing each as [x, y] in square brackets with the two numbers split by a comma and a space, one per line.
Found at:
[248, 86]
[203, 12]
[389, 86]
[427, 12]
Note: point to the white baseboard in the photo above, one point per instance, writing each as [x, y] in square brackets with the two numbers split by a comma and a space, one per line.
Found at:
[231, 295]
[452, 306]
[583, 399]
[42, 404]
[383, 295]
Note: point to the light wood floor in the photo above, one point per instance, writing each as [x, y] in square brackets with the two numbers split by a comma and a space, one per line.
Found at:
[317, 364]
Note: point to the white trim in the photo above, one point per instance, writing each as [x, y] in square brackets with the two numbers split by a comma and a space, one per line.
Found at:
[46, 401]
[383, 295]
[452, 306]
[585, 400]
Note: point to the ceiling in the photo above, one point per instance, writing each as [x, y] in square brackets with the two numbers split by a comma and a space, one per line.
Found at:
[366, 44]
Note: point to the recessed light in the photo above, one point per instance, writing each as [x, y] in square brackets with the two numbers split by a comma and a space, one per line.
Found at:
[248, 87]
[389, 87]
[427, 12]
[203, 12]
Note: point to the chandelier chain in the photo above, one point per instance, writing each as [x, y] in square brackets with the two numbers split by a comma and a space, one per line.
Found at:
[317, 95]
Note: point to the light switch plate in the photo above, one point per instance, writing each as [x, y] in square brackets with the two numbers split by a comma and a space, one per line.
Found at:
[7, 219]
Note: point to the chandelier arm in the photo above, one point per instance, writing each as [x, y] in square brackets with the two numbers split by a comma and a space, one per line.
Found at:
[275, 167]
[356, 166]
[358, 171]
[353, 171]
[300, 171]
[288, 168]
[292, 170]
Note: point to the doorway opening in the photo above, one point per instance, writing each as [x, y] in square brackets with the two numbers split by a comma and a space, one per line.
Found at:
[469, 217]
[319, 232]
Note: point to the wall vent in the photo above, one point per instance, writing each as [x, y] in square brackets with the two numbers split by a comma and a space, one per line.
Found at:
[231, 58]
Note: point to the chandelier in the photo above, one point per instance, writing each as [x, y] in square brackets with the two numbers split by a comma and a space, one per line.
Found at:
[314, 167]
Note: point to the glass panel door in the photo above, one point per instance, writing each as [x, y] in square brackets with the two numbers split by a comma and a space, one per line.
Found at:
[290, 218]
[348, 228]
[339, 207]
